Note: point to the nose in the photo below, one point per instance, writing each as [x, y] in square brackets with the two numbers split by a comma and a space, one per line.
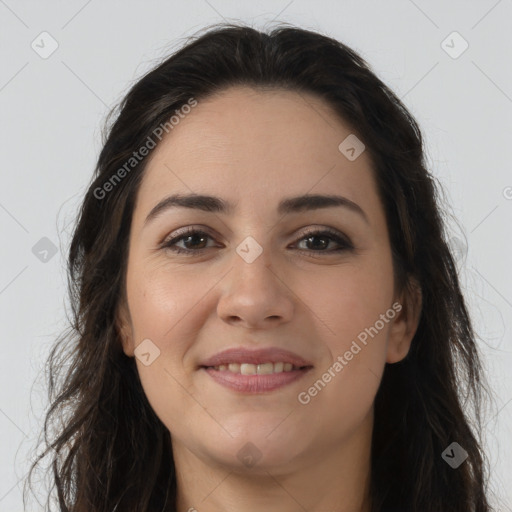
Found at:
[255, 295]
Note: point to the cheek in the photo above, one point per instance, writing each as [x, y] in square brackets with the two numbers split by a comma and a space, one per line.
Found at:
[159, 300]
[346, 300]
[339, 397]
[354, 305]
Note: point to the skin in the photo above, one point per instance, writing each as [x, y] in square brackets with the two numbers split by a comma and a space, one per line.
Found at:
[254, 148]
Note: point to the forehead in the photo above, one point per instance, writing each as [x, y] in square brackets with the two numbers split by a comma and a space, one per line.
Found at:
[257, 144]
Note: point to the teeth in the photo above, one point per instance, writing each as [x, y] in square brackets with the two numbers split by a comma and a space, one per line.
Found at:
[265, 368]
[278, 367]
[256, 369]
[248, 369]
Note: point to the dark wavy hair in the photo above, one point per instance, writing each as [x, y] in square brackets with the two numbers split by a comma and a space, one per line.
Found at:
[110, 452]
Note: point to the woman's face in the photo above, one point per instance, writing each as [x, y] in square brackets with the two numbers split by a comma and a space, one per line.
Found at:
[255, 278]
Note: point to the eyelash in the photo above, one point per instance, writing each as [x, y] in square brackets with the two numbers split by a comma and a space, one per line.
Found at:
[346, 245]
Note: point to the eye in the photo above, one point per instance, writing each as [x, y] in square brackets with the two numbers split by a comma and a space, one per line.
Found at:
[191, 236]
[326, 236]
[196, 239]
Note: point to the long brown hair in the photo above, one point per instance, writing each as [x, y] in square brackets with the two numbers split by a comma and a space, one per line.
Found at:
[110, 451]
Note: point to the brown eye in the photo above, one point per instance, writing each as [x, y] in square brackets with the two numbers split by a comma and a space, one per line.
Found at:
[320, 240]
[193, 239]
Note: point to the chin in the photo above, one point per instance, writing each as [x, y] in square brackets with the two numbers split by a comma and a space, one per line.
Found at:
[256, 452]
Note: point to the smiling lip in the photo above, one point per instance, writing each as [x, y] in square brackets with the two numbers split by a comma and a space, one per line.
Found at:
[255, 383]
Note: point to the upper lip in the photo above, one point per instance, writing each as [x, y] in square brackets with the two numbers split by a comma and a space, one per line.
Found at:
[263, 355]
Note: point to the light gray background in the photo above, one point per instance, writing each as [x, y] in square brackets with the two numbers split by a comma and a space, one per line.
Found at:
[52, 112]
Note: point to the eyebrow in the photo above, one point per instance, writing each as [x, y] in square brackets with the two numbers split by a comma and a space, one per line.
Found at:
[289, 205]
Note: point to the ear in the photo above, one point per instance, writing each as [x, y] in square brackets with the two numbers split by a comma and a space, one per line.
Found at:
[124, 329]
[405, 323]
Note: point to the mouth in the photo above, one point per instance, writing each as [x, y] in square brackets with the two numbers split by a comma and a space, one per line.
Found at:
[255, 371]
[256, 378]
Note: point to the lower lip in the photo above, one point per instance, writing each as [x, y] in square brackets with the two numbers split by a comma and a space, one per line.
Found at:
[255, 383]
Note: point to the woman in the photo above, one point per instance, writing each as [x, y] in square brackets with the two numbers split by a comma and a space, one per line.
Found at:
[307, 353]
